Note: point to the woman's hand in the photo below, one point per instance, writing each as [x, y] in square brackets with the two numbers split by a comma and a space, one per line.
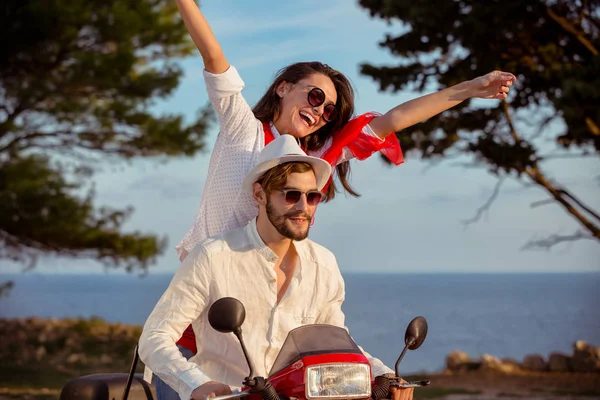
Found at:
[494, 85]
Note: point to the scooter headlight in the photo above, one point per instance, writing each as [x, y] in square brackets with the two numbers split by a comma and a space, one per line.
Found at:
[338, 381]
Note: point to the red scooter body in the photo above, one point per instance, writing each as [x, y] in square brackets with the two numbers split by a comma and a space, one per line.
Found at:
[316, 361]
[290, 382]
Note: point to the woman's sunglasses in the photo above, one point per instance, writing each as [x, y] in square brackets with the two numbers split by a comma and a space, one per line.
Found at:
[316, 97]
[292, 196]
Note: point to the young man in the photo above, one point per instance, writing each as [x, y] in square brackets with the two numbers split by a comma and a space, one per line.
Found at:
[283, 279]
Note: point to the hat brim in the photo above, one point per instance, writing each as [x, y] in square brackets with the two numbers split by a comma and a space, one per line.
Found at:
[321, 167]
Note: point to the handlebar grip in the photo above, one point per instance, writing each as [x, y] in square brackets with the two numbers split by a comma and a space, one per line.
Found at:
[412, 384]
[381, 388]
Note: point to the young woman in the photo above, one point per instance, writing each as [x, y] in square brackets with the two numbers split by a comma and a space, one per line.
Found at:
[310, 101]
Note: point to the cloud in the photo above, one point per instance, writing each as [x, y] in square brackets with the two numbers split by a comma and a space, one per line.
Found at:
[247, 25]
[264, 54]
[291, 30]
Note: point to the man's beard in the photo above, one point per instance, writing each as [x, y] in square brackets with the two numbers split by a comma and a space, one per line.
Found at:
[279, 222]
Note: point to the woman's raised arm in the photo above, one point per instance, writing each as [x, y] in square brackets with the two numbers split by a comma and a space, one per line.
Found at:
[203, 37]
[494, 85]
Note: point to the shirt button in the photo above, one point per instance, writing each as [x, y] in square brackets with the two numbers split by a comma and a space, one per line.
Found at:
[273, 280]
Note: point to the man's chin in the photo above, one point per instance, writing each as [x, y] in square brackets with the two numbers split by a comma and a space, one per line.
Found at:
[297, 233]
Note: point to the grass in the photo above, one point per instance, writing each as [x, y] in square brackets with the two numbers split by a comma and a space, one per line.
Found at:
[28, 395]
[18, 377]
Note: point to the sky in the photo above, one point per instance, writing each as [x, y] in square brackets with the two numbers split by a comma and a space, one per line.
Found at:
[408, 219]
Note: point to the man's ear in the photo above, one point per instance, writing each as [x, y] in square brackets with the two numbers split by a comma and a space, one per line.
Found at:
[258, 194]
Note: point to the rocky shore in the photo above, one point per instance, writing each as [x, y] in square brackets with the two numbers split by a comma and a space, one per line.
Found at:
[585, 358]
[38, 356]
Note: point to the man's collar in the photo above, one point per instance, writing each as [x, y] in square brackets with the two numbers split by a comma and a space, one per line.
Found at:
[258, 243]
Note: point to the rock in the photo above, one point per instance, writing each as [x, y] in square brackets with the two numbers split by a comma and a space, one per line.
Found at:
[105, 359]
[40, 352]
[76, 358]
[512, 362]
[491, 363]
[558, 362]
[456, 360]
[71, 341]
[535, 362]
[586, 358]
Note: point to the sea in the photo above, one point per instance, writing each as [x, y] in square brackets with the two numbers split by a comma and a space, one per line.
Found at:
[505, 315]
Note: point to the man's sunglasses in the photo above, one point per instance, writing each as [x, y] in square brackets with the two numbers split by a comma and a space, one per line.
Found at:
[292, 196]
[316, 97]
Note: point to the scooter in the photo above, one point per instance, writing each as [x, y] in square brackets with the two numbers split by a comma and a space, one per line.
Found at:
[316, 361]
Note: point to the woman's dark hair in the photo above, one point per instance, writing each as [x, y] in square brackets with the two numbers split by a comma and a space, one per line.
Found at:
[269, 106]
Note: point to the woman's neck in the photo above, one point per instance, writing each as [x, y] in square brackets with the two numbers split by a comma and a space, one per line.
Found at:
[281, 129]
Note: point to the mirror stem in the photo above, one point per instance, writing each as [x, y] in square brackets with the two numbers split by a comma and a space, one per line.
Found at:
[238, 334]
[409, 342]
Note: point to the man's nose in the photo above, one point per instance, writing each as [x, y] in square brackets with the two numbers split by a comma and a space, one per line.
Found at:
[302, 203]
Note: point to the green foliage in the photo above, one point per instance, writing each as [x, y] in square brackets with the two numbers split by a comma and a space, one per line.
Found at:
[78, 80]
[46, 353]
[452, 41]
[41, 213]
[553, 49]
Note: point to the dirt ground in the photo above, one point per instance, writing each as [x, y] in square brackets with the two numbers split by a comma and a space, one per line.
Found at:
[457, 386]
[530, 385]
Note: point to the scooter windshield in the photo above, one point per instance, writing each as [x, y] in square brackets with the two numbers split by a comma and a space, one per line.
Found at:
[310, 340]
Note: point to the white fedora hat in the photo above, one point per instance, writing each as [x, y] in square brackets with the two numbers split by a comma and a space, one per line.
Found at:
[282, 150]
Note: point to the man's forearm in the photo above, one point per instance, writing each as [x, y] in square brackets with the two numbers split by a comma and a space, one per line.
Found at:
[160, 353]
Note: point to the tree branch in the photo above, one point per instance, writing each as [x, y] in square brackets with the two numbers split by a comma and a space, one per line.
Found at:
[592, 126]
[545, 122]
[557, 194]
[4, 125]
[580, 35]
[540, 203]
[486, 206]
[553, 240]
[580, 204]
[35, 135]
[29, 100]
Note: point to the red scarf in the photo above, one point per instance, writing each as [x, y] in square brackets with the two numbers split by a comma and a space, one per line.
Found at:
[268, 134]
[362, 146]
